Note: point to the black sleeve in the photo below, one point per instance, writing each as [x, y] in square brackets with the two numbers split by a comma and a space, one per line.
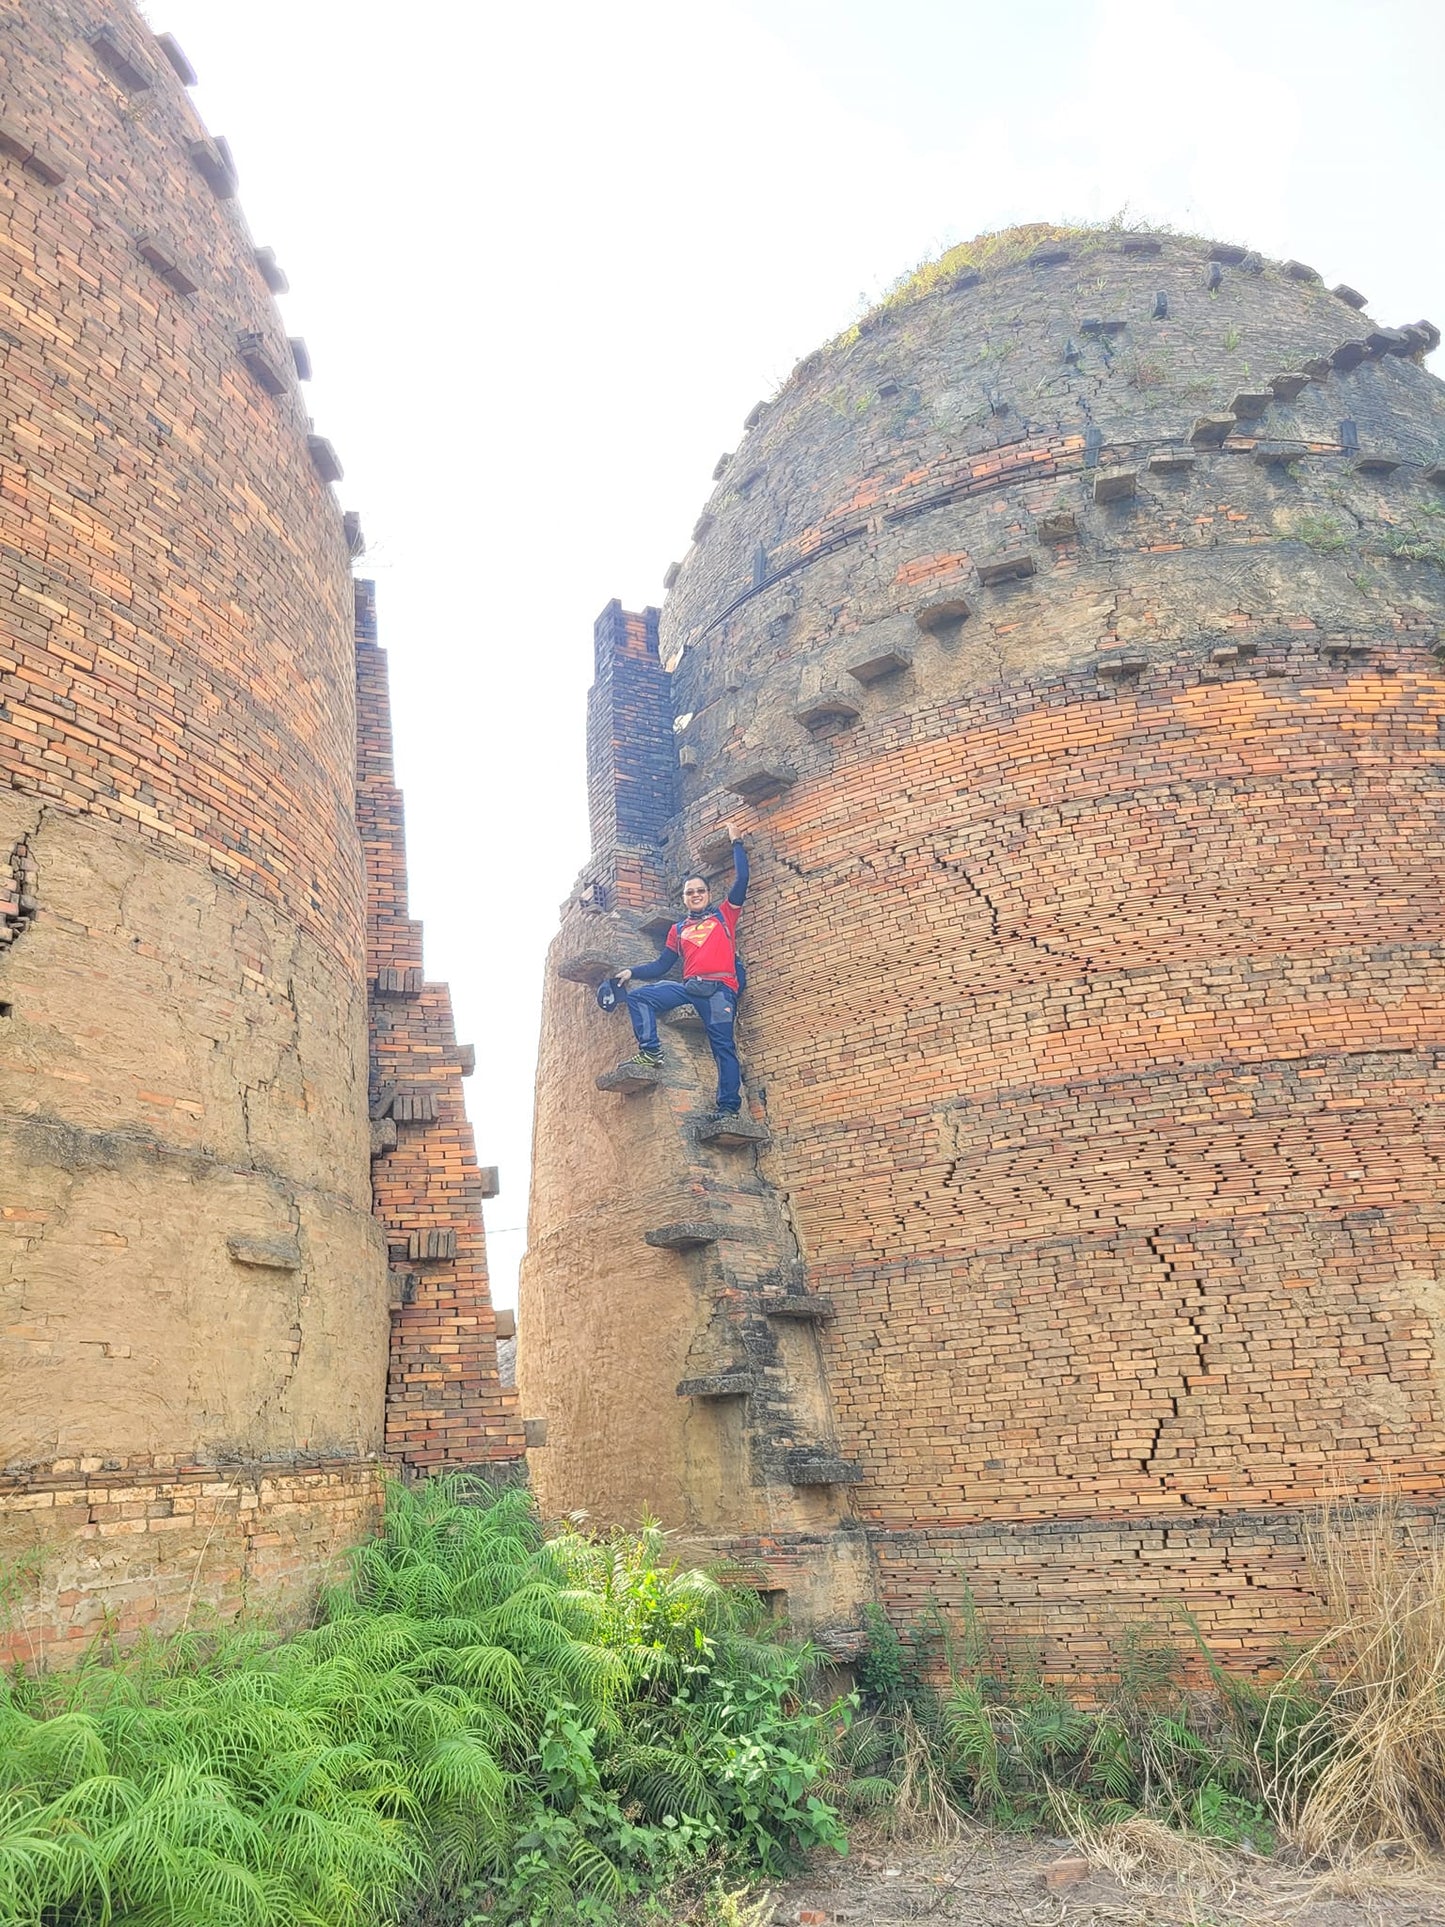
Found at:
[659, 967]
[739, 890]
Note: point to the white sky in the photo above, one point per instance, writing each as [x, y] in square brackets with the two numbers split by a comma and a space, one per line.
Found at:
[547, 257]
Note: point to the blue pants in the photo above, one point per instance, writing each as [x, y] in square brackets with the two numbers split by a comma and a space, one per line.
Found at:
[717, 1013]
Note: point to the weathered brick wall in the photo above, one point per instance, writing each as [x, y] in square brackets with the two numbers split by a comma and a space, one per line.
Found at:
[192, 1285]
[137, 1547]
[631, 757]
[1092, 750]
[445, 1406]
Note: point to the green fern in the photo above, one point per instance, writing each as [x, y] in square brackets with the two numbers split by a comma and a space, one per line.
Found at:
[553, 1725]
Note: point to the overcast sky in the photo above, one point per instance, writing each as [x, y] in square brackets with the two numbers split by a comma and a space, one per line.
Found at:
[546, 257]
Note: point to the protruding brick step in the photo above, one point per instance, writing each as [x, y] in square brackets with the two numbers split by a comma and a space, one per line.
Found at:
[414, 1107]
[809, 1466]
[685, 1017]
[1285, 387]
[806, 1307]
[212, 161]
[161, 256]
[393, 982]
[18, 144]
[1350, 296]
[1251, 402]
[324, 458]
[1210, 430]
[1119, 668]
[1115, 484]
[1388, 341]
[1349, 355]
[590, 967]
[687, 1234]
[830, 707]
[115, 57]
[1369, 462]
[424, 1247]
[267, 1254]
[943, 618]
[534, 1433]
[1301, 271]
[731, 1131]
[736, 1382]
[758, 782]
[1274, 454]
[890, 662]
[175, 55]
[256, 359]
[1170, 461]
[384, 1136]
[1014, 567]
[1058, 525]
[629, 1080]
[270, 270]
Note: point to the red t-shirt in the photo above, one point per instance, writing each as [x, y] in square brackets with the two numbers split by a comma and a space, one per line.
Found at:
[707, 945]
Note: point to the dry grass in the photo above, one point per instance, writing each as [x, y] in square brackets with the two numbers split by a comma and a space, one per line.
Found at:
[924, 1809]
[1368, 1768]
[1143, 1849]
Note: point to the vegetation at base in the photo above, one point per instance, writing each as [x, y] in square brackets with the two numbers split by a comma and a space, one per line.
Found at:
[484, 1724]
[1342, 1753]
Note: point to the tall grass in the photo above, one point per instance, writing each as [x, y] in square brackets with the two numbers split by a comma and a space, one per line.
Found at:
[1367, 1763]
[1343, 1753]
[482, 1719]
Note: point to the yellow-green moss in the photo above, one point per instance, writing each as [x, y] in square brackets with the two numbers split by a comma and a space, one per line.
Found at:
[989, 254]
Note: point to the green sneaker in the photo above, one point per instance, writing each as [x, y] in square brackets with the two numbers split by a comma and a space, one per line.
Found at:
[645, 1060]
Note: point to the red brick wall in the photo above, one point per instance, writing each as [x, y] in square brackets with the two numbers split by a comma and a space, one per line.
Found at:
[173, 584]
[445, 1407]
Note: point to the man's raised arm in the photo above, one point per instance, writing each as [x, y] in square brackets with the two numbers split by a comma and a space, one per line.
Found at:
[739, 891]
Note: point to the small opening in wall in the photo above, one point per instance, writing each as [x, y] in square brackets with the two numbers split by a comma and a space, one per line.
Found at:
[775, 1601]
[7, 1010]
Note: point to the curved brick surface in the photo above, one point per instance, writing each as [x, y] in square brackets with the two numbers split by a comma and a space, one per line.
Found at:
[190, 1275]
[1095, 1010]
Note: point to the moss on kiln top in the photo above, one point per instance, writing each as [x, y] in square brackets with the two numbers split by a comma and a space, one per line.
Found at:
[988, 254]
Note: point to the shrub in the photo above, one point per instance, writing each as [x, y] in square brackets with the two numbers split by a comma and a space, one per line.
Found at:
[543, 1727]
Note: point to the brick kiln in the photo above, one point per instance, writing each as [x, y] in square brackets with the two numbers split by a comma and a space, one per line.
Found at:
[195, 1323]
[1069, 632]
